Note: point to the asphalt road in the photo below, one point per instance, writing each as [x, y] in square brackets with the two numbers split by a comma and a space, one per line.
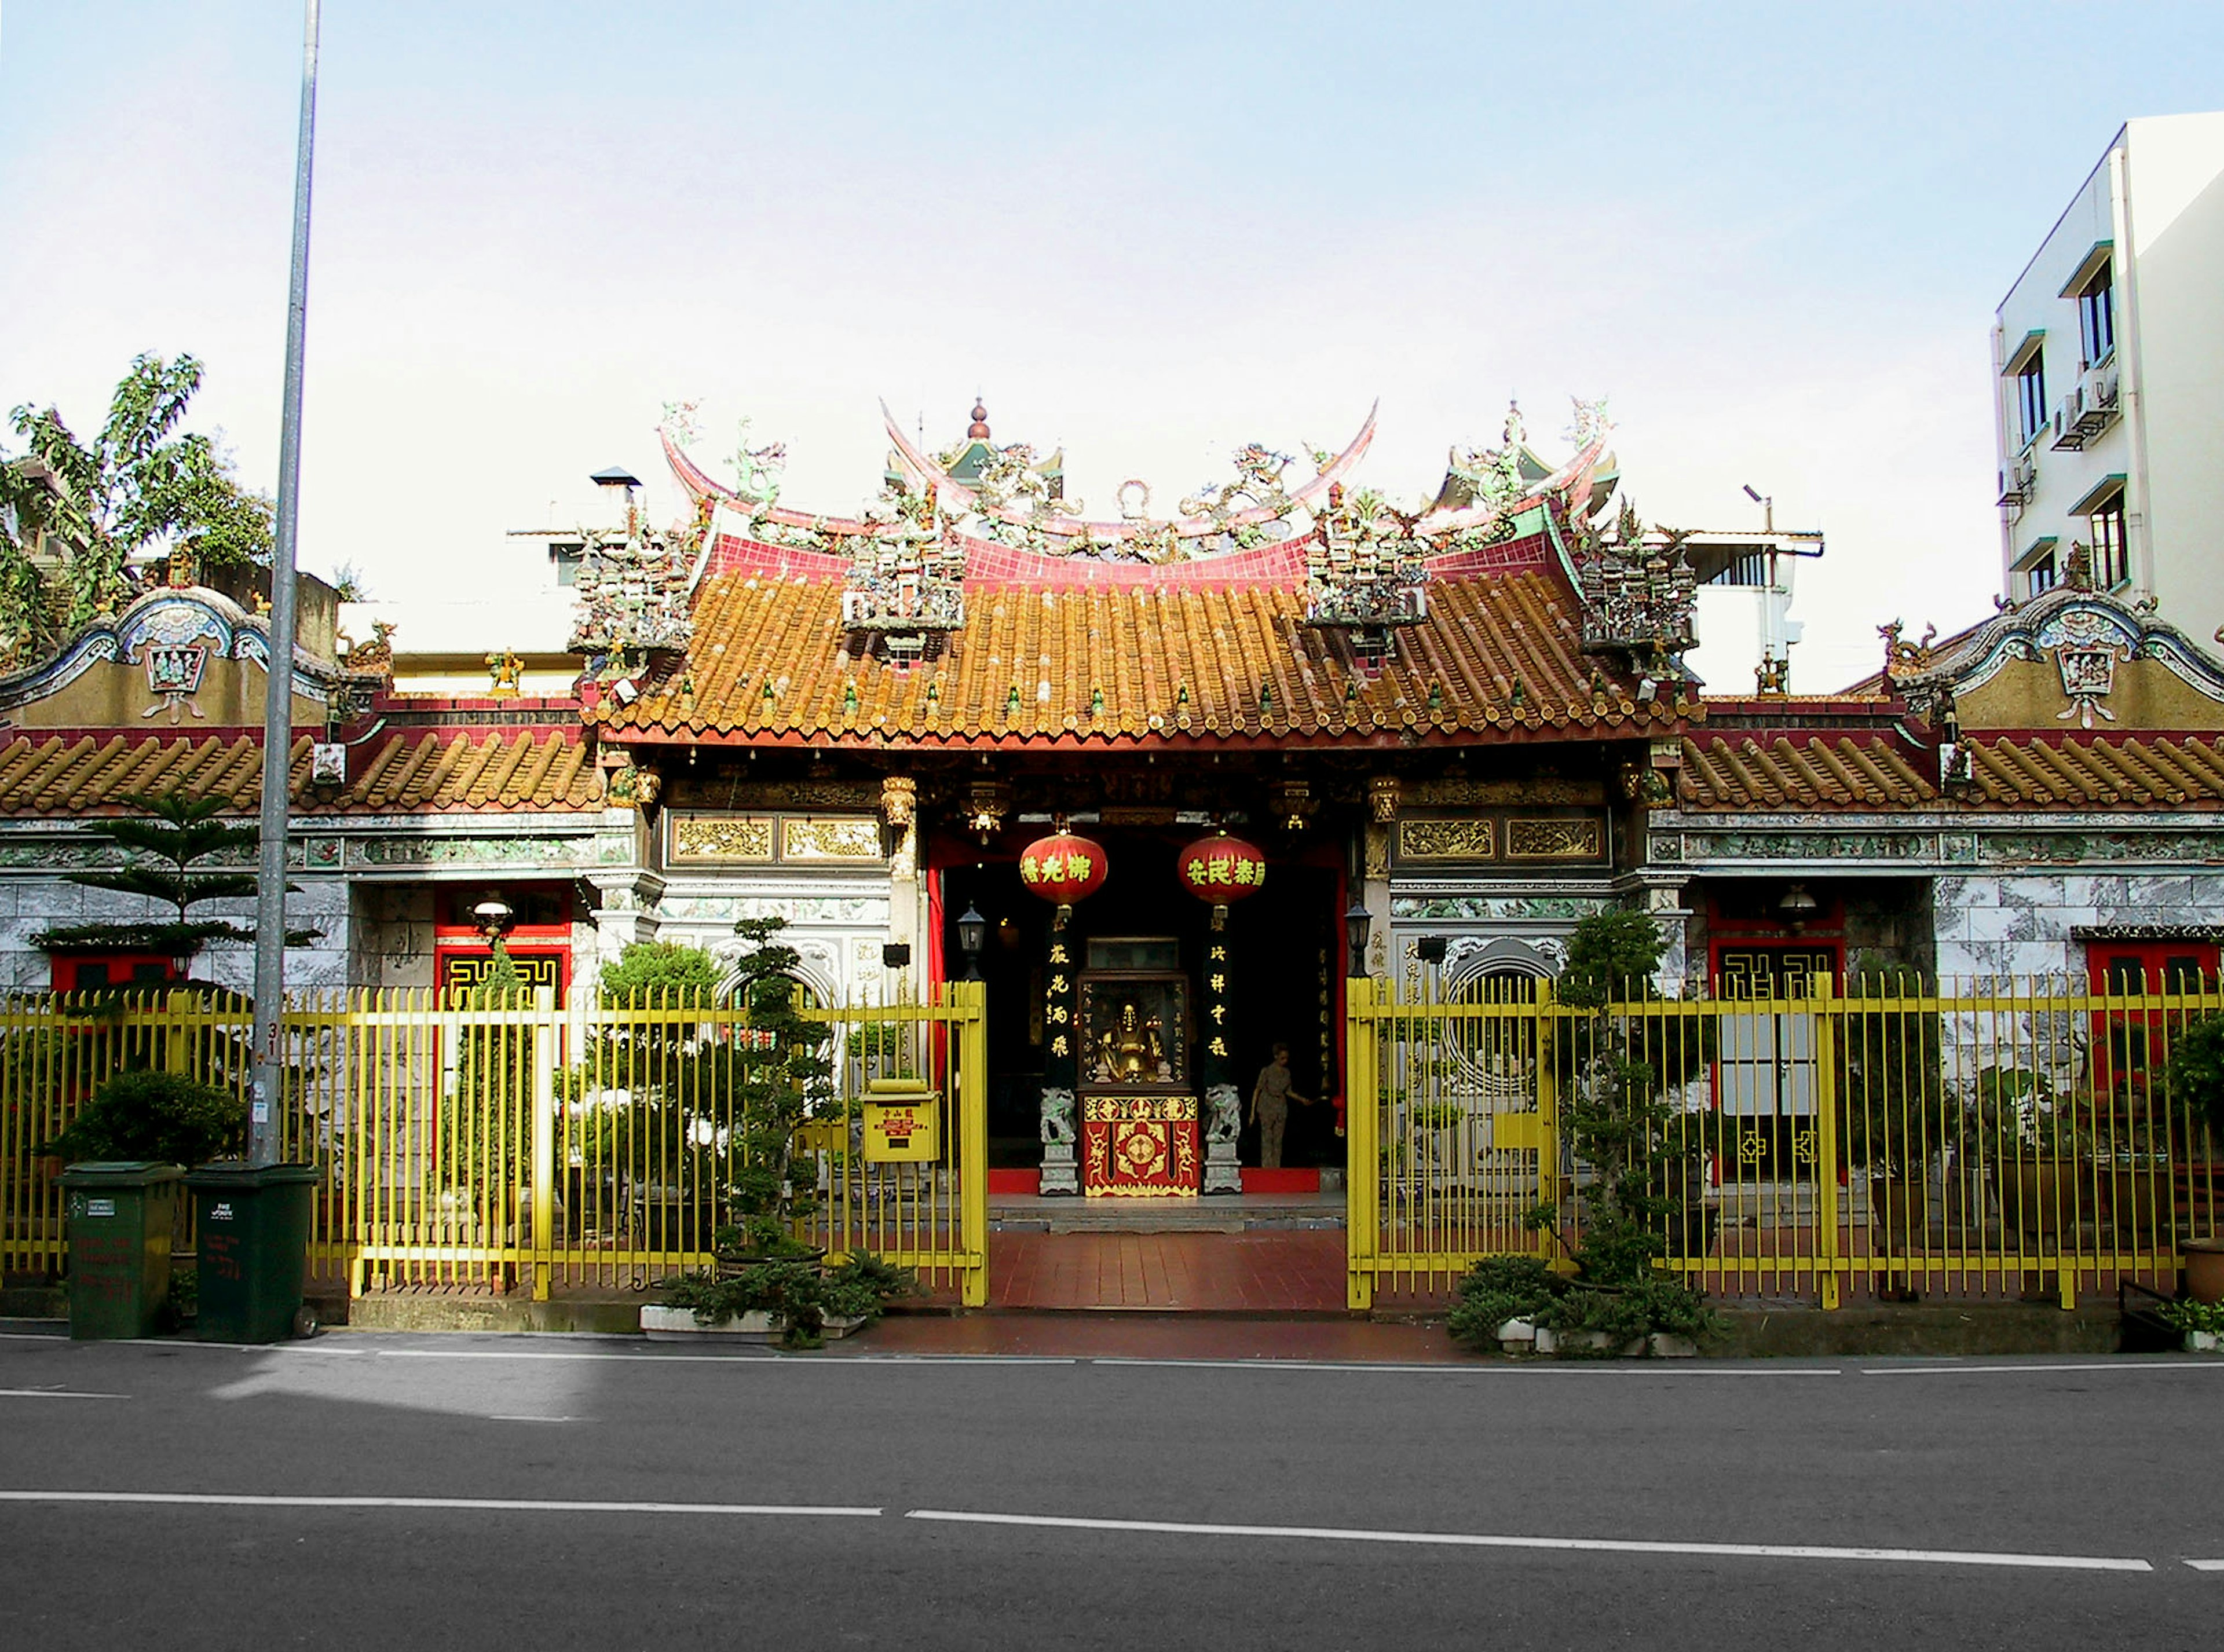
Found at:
[530, 1492]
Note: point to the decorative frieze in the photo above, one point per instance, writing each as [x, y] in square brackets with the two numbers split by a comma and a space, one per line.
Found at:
[1447, 840]
[1554, 838]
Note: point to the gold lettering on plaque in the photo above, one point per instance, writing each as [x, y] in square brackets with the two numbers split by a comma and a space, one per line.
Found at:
[1445, 840]
[1552, 839]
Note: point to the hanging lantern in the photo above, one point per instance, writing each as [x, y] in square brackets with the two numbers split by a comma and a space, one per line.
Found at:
[1064, 869]
[1222, 870]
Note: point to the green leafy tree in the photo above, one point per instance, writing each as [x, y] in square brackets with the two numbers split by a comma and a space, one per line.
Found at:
[140, 487]
[170, 849]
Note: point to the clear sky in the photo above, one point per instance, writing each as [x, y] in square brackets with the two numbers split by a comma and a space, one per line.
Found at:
[1772, 235]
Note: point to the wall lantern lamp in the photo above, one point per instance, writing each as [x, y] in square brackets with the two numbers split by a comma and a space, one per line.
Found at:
[1797, 906]
[1357, 922]
[972, 936]
[494, 917]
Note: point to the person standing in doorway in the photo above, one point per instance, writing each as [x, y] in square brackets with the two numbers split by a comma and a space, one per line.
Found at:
[1270, 1106]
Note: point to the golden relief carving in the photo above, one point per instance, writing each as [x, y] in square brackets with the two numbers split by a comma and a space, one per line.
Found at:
[1378, 850]
[1453, 792]
[1554, 839]
[830, 839]
[721, 837]
[1446, 840]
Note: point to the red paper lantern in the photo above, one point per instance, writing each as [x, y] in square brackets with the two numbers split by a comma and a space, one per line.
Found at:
[1063, 868]
[1222, 870]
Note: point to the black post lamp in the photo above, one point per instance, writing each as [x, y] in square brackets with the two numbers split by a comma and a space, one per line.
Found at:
[1356, 923]
[972, 935]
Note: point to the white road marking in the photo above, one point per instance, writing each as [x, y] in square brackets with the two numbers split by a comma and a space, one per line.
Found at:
[2207, 1566]
[768, 1358]
[1603, 1368]
[1583, 1545]
[526, 1419]
[55, 1394]
[2126, 1364]
[495, 1505]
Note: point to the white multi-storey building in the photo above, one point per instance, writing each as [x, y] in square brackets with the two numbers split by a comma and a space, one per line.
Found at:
[2109, 350]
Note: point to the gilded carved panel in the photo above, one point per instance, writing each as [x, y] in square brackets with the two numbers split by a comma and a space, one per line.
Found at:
[722, 837]
[1554, 838]
[1447, 840]
[830, 839]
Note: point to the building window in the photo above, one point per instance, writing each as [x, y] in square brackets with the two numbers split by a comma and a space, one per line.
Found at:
[2111, 566]
[2031, 396]
[2037, 569]
[2096, 314]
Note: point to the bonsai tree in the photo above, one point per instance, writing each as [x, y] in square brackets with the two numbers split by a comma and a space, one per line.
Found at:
[782, 1074]
[1616, 1065]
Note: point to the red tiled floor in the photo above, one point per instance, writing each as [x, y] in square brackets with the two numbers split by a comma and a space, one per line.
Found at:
[1157, 1336]
[1295, 1272]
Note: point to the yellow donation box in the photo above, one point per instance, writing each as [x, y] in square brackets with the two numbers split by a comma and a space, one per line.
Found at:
[902, 1124]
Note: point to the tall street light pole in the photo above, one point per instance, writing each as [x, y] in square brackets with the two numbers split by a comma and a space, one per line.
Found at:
[278, 707]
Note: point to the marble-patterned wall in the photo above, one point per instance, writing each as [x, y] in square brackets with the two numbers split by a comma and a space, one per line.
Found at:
[28, 905]
[1991, 926]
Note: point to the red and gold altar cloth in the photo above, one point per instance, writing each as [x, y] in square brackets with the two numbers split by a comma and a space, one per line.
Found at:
[1140, 1146]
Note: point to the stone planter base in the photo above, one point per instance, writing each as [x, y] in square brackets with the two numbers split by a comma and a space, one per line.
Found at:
[2200, 1342]
[1519, 1336]
[759, 1325]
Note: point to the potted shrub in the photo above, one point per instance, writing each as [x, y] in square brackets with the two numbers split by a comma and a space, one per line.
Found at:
[2039, 1149]
[2195, 1076]
[162, 1117]
[798, 1301]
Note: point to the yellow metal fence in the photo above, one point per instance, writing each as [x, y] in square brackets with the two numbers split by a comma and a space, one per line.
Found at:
[2021, 1140]
[540, 1145]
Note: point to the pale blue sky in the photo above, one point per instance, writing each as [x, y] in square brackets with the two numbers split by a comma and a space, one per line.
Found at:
[1772, 235]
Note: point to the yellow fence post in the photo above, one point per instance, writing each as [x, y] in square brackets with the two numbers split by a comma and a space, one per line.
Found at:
[971, 997]
[1363, 1116]
[1828, 1253]
[177, 1046]
[544, 1140]
[1544, 1029]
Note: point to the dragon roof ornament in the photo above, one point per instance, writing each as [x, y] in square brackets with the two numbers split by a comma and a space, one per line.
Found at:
[1008, 495]
[633, 591]
[1637, 599]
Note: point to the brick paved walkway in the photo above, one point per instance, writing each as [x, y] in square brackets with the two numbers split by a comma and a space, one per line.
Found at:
[1255, 1272]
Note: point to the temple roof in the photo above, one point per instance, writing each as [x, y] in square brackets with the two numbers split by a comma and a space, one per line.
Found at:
[1143, 656]
[414, 771]
[1859, 771]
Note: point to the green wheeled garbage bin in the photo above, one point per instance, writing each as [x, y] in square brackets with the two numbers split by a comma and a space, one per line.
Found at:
[252, 1225]
[120, 1214]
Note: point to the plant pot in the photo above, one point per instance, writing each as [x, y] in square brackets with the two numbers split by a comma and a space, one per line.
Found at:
[2202, 1342]
[731, 1264]
[2041, 1200]
[2204, 1269]
[2138, 1198]
[757, 1325]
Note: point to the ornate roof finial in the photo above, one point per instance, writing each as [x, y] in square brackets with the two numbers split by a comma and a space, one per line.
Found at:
[978, 431]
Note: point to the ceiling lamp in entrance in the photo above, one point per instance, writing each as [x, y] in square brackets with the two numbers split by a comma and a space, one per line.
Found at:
[1064, 869]
[1222, 870]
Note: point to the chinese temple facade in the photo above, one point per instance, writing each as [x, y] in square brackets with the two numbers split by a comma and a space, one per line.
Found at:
[1164, 779]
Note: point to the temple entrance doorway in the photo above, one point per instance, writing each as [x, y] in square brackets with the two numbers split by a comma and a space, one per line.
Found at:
[1139, 957]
